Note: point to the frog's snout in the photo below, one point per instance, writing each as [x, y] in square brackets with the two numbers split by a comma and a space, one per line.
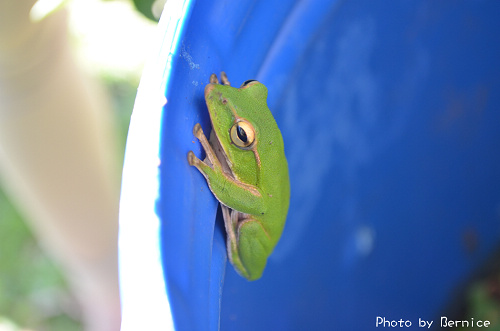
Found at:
[208, 90]
[213, 93]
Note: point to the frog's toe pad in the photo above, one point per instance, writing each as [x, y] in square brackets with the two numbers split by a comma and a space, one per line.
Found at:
[192, 159]
[213, 79]
[197, 130]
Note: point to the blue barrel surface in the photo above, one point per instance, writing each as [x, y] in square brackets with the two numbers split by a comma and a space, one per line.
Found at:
[390, 117]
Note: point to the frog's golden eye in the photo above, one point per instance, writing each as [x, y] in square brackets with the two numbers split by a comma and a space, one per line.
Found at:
[243, 134]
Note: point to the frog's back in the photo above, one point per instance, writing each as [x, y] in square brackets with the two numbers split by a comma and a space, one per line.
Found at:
[275, 183]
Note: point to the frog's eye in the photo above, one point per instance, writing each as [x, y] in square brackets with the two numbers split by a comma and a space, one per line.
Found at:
[255, 89]
[247, 82]
[243, 134]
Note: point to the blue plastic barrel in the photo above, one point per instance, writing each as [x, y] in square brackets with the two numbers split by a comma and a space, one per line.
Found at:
[390, 116]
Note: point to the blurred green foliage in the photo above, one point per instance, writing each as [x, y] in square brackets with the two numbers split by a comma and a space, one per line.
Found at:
[32, 290]
[145, 7]
[149, 8]
[483, 302]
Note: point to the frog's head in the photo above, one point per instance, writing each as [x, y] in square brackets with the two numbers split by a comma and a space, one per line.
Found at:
[238, 117]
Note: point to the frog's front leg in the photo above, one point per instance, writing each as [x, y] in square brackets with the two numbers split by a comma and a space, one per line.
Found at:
[223, 78]
[211, 157]
[248, 243]
[223, 186]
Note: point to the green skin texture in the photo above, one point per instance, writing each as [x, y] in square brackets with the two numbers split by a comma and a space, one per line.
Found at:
[256, 190]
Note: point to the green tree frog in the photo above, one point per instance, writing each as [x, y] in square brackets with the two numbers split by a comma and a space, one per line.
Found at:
[246, 170]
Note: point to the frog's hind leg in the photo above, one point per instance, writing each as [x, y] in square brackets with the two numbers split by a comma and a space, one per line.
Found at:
[230, 223]
[248, 243]
[254, 247]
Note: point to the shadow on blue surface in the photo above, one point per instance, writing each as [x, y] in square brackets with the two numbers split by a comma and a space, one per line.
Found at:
[389, 113]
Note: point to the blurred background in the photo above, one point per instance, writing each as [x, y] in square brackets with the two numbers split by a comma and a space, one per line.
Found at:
[109, 43]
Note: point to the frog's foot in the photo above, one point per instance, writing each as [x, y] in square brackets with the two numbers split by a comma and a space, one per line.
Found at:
[202, 166]
[192, 159]
[214, 79]
[223, 78]
[198, 131]
[211, 159]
